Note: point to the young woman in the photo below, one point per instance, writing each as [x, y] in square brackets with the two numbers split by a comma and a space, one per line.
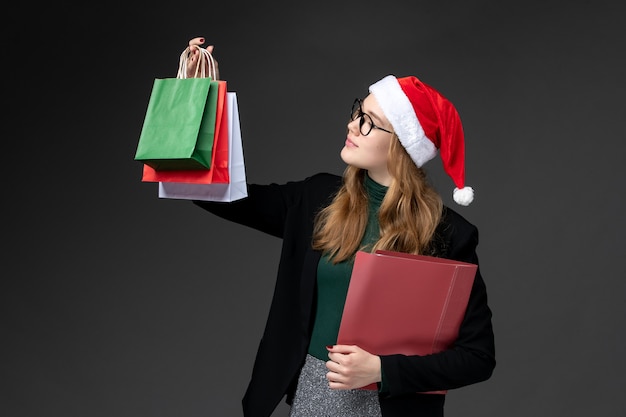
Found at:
[382, 201]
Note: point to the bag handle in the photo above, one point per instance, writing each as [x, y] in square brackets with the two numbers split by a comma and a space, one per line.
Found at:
[206, 59]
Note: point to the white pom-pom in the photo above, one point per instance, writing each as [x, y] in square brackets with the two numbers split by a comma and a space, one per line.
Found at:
[463, 196]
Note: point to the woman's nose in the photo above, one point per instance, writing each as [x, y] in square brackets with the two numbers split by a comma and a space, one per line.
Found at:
[353, 127]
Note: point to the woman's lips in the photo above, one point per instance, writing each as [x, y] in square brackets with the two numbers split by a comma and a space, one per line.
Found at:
[350, 144]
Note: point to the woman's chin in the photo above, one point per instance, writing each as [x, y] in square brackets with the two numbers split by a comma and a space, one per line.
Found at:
[345, 155]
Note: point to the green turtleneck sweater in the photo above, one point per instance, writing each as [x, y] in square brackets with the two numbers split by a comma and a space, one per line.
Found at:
[333, 280]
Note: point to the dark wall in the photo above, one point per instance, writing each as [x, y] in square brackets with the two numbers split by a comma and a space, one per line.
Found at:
[116, 303]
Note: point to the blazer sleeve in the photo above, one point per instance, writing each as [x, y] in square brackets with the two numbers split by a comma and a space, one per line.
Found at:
[268, 208]
[472, 357]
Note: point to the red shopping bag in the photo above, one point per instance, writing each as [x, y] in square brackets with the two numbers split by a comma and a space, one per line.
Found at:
[218, 173]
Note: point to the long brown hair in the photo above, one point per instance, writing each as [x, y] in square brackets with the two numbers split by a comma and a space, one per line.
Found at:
[408, 215]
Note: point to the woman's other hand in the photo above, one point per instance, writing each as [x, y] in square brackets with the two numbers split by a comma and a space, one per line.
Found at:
[351, 367]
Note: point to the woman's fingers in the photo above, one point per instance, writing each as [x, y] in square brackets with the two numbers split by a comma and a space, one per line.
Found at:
[192, 62]
[351, 367]
[194, 56]
[196, 41]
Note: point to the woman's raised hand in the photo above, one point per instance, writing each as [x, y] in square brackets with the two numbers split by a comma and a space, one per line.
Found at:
[194, 57]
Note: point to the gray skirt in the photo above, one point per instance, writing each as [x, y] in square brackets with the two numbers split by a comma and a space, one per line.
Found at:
[314, 398]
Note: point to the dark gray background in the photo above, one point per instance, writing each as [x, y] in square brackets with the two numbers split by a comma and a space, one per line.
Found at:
[116, 303]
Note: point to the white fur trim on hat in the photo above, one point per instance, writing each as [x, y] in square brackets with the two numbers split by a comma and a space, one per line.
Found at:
[399, 111]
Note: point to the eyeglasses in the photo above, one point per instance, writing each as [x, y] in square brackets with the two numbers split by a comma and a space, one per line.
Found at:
[365, 123]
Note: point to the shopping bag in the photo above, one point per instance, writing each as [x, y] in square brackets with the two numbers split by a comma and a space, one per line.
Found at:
[179, 125]
[218, 173]
[236, 189]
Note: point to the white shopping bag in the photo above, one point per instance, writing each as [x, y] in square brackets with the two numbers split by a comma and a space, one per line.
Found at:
[236, 189]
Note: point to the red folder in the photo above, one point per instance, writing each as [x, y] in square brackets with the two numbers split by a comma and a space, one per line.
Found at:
[406, 304]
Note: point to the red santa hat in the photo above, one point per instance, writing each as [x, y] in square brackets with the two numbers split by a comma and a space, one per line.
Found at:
[426, 123]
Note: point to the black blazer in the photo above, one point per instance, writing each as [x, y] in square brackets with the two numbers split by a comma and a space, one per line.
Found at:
[287, 211]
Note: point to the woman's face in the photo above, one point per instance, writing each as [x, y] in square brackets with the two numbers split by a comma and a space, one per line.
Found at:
[369, 152]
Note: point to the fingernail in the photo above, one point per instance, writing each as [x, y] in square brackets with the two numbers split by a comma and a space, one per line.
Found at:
[329, 346]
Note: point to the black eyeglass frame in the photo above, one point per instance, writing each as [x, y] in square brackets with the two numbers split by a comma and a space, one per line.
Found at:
[357, 112]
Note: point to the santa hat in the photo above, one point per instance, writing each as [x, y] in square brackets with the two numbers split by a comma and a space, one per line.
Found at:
[425, 122]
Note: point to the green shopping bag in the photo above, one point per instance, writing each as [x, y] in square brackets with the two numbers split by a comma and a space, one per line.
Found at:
[179, 125]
